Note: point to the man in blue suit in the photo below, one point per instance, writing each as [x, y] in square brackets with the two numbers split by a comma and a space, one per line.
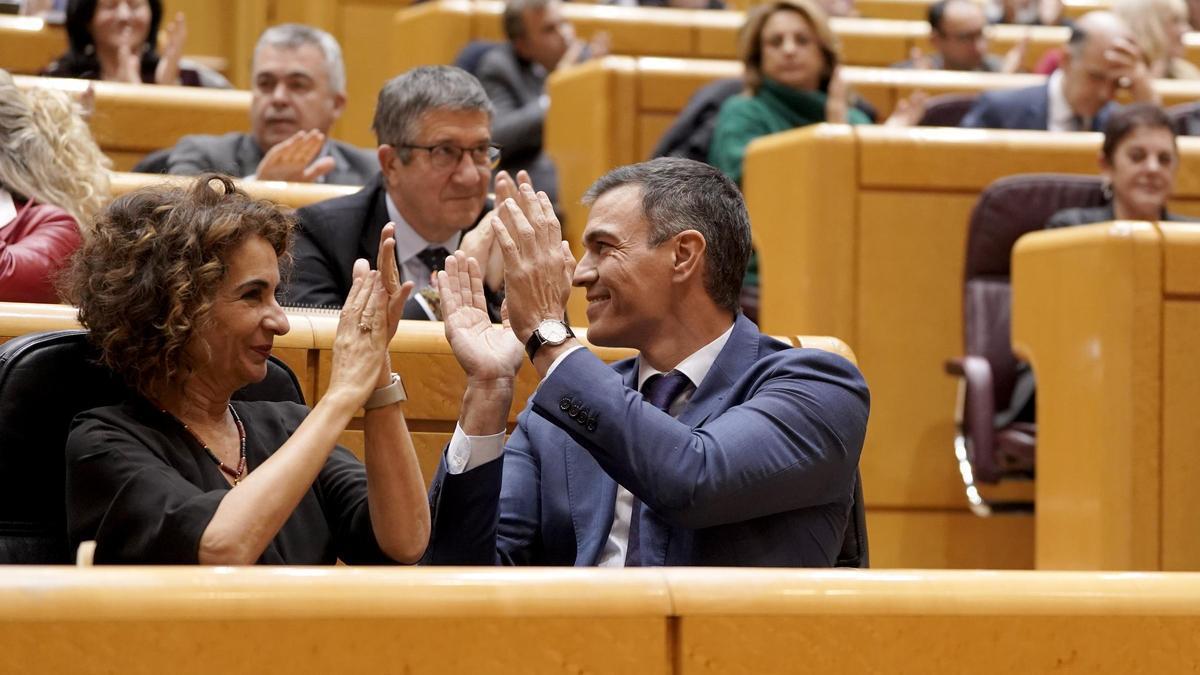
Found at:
[1100, 57]
[716, 445]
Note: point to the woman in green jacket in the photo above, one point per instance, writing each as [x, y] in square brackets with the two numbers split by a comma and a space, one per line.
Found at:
[791, 57]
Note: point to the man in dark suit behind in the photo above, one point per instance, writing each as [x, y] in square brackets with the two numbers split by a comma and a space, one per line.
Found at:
[436, 156]
[540, 40]
[716, 445]
[298, 92]
[1100, 57]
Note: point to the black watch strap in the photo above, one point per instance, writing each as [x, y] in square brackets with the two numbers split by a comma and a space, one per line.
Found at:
[536, 340]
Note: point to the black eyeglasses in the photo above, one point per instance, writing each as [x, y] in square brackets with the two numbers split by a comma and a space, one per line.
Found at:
[444, 156]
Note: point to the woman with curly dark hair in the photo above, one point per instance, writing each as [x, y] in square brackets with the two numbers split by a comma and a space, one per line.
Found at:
[178, 290]
[117, 40]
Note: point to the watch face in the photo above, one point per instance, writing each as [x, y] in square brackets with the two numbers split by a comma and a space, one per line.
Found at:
[552, 332]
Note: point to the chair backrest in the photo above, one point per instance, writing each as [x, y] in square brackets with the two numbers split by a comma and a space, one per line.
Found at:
[855, 552]
[692, 131]
[45, 380]
[947, 110]
[1007, 209]
[469, 57]
[1185, 117]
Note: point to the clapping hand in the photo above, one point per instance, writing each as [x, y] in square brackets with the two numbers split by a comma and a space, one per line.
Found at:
[360, 345]
[167, 71]
[486, 352]
[292, 159]
[837, 100]
[479, 243]
[538, 264]
[395, 292]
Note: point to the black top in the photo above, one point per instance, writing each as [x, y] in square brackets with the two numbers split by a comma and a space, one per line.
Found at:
[1098, 214]
[145, 489]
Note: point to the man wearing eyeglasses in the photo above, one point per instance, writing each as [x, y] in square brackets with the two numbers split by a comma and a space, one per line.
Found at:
[956, 33]
[436, 156]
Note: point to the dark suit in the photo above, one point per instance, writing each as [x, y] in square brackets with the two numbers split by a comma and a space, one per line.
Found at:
[237, 154]
[515, 87]
[334, 233]
[1098, 214]
[1027, 108]
[758, 469]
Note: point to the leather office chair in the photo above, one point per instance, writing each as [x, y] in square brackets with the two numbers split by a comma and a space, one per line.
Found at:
[45, 380]
[1185, 117]
[854, 551]
[947, 110]
[989, 449]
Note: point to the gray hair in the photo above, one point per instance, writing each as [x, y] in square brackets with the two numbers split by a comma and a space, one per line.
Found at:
[514, 16]
[405, 98]
[682, 194]
[296, 35]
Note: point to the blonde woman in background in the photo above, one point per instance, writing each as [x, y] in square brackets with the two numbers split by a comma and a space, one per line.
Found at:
[1158, 26]
[53, 181]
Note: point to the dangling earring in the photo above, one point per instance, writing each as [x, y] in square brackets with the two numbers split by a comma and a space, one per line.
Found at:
[1106, 189]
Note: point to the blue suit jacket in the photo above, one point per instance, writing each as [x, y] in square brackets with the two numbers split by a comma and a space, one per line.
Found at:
[1027, 108]
[758, 469]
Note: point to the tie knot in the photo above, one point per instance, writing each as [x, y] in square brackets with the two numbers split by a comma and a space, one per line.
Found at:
[660, 390]
[434, 258]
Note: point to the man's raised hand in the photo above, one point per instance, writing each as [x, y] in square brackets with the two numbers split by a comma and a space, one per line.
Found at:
[486, 352]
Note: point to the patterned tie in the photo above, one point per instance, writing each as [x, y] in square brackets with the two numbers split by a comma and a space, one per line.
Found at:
[660, 391]
[434, 258]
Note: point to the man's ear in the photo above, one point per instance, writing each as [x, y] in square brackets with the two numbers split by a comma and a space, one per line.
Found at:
[339, 105]
[689, 249]
[387, 161]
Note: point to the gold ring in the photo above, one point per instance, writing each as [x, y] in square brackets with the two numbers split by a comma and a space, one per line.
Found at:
[364, 326]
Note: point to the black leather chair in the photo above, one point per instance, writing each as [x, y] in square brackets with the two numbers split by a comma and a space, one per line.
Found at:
[855, 551]
[990, 449]
[45, 380]
[947, 110]
[1185, 117]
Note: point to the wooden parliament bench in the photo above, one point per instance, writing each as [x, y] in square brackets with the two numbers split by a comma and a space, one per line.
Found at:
[672, 621]
[131, 120]
[1109, 316]
[613, 111]
[861, 233]
[917, 10]
[28, 44]
[435, 32]
[291, 195]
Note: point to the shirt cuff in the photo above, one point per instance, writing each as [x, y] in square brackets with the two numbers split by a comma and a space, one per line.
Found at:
[468, 452]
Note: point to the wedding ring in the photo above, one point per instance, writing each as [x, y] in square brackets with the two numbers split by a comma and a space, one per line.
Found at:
[364, 326]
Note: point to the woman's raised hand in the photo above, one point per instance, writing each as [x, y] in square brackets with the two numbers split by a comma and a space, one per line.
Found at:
[360, 345]
[837, 101]
[172, 51]
[396, 293]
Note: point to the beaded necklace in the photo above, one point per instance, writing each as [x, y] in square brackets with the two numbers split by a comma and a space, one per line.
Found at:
[237, 474]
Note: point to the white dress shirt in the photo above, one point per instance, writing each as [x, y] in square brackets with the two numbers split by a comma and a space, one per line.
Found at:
[409, 244]
[1059, 115]
[467, 452]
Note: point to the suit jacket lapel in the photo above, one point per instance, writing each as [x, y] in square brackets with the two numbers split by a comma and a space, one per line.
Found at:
[1039, 110]
[377, 217]
[248, 155]
[736, 357]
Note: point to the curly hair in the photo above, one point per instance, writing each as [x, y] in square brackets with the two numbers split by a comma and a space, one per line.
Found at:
[47, 152]
[146, 280]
